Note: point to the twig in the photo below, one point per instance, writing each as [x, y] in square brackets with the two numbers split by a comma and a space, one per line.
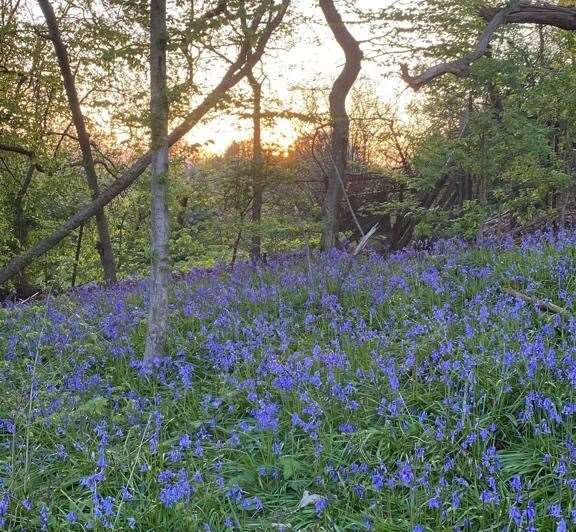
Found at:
[22, 301]
[361, 245]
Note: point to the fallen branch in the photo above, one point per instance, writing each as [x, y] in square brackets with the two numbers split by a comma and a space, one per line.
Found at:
[538, 303]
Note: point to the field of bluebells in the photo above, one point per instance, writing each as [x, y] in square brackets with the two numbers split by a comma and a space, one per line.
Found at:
[312, 393]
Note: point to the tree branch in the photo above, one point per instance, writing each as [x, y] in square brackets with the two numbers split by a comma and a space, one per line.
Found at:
[13, 148]
[461, 66]
[544, 14]
[518, 12]
[214, 12]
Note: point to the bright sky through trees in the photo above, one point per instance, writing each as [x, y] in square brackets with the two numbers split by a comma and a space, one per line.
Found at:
[311, 60]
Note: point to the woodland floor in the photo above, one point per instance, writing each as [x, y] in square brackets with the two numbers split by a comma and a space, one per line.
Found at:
[413, 393]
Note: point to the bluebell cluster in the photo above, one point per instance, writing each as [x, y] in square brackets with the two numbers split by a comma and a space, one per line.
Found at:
[412, 392]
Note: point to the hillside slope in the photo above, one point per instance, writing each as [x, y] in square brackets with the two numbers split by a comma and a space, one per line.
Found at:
[412, 393]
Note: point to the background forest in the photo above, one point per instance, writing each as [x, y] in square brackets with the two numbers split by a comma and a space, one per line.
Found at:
[485, 152]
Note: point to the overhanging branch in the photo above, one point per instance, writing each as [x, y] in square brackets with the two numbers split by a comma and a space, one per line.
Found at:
[545, 14]
[461, 66]
[517, 13]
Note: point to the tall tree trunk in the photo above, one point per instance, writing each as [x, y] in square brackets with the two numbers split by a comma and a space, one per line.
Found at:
[104, 245]
[257, 166]
[158, 313]
[236, 72]
[340, 121]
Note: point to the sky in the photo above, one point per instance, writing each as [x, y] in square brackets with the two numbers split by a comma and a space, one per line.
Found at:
[314, 60]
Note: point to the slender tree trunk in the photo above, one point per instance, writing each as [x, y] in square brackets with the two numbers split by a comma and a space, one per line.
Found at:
[235, 248]
[158, 313]
[257, 167]
[236, 72]
[77, 256]
[340, 121]
[23, 288]
[104, 245]
[482, 177]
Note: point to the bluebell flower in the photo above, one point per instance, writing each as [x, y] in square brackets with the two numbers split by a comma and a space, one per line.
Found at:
[185, 442]
[4, 505]
[555, 510]
[320, 505]
[516, 483]
[405, 473]
[253, 503]
[378, 480]
[176, 488]
[516, 515]
[126, 494]
[44, 517]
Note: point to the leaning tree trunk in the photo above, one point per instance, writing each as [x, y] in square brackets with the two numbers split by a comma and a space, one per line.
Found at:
[257, 167]
[158, 313]
[340, 121]
[104, 246]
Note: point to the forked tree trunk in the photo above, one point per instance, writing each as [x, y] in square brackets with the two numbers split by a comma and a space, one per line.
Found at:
[257, 167]
[104, 245]
[158, 313]
[340, 121]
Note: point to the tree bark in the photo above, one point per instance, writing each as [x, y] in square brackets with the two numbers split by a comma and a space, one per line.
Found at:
[104, 246]
[158, 310]
[257, 167]
[340, 121]
[237, 71]
[23, 288]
